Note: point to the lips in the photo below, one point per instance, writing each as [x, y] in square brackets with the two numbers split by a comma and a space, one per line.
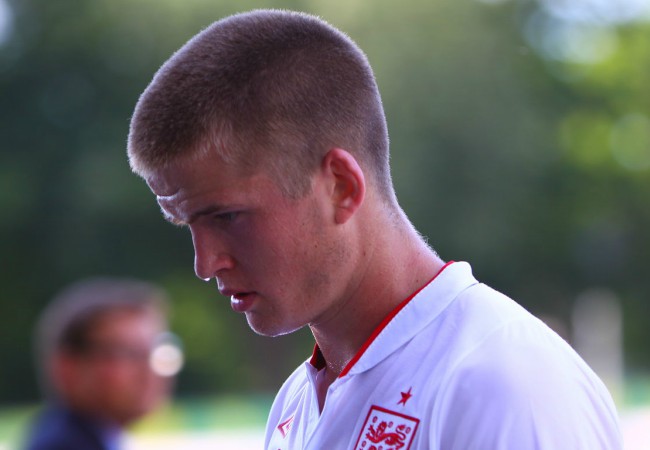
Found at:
[227, 292]
[242, 301]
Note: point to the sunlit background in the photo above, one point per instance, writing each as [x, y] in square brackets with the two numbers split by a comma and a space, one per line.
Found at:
[520, 136]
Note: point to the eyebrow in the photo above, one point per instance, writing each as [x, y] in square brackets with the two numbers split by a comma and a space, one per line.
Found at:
[212, 209]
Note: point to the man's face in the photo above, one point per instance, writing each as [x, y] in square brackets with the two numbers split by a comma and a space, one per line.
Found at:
[113, 378]
[276, 258]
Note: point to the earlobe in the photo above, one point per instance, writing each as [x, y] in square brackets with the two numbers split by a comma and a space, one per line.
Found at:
[61, 371]
[348, 183]
[65, 372]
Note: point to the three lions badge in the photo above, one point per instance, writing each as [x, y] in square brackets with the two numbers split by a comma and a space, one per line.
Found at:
[387, 430]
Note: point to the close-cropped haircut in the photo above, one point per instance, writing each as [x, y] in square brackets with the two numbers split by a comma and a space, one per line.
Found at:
[265, 89]
[67, 322]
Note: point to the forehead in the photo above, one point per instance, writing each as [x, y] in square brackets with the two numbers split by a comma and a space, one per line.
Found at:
[184, 187]
[127, 323]
[186, 176]
[187, 173]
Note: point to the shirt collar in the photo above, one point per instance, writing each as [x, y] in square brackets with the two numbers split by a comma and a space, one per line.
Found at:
[407, 319]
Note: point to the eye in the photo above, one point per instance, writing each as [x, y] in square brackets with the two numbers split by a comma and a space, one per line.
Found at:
[226, 217]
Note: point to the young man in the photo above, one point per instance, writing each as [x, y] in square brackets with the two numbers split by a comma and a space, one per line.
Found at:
[105, 362]
[265, 136]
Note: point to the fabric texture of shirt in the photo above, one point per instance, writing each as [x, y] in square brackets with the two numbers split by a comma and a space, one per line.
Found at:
[458, 366]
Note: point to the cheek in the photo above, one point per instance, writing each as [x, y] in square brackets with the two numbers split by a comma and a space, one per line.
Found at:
[262, 248]
[134, 388]
[284, 250]
[314, 256]
[123, 377]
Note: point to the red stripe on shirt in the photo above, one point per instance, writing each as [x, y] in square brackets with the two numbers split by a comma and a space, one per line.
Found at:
[385, 322]
[318, 361]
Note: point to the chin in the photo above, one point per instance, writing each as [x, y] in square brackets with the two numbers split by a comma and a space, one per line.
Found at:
[134, 416]
[137, 412]
[264, 328]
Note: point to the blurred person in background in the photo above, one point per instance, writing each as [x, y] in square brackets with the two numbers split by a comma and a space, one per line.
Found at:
[106, 359]
[266, 137]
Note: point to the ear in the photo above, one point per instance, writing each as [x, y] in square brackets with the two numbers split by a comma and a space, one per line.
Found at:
[348, 187]
[64, 371]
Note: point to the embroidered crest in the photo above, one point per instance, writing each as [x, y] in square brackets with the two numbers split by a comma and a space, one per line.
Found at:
[387, 430]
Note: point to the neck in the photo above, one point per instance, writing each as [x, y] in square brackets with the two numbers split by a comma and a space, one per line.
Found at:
[399, 264]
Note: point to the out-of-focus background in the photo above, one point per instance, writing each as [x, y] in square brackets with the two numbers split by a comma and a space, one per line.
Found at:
[520, 136]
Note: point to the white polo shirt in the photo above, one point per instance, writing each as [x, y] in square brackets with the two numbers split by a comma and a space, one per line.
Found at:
[458, 366]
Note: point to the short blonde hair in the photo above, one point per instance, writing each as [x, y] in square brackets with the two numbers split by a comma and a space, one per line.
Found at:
[266, 89]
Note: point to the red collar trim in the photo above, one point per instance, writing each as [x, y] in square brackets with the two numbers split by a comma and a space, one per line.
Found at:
[318, 360]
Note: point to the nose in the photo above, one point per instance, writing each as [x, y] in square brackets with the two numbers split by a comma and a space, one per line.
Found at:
[210, 255]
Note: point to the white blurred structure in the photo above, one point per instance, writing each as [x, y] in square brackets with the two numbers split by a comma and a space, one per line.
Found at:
[597, 325]
[252, 439]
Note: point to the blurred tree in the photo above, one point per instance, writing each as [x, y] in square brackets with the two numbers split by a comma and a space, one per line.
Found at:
[603, 138]
[70, 74]
[506, 152]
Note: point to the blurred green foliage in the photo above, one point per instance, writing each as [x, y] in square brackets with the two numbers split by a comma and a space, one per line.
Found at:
[534, 168]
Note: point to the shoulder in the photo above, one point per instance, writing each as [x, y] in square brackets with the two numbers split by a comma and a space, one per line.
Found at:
[46, 429]
[519, 385]
[289, 399]
[57, 429]
[291, 389]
